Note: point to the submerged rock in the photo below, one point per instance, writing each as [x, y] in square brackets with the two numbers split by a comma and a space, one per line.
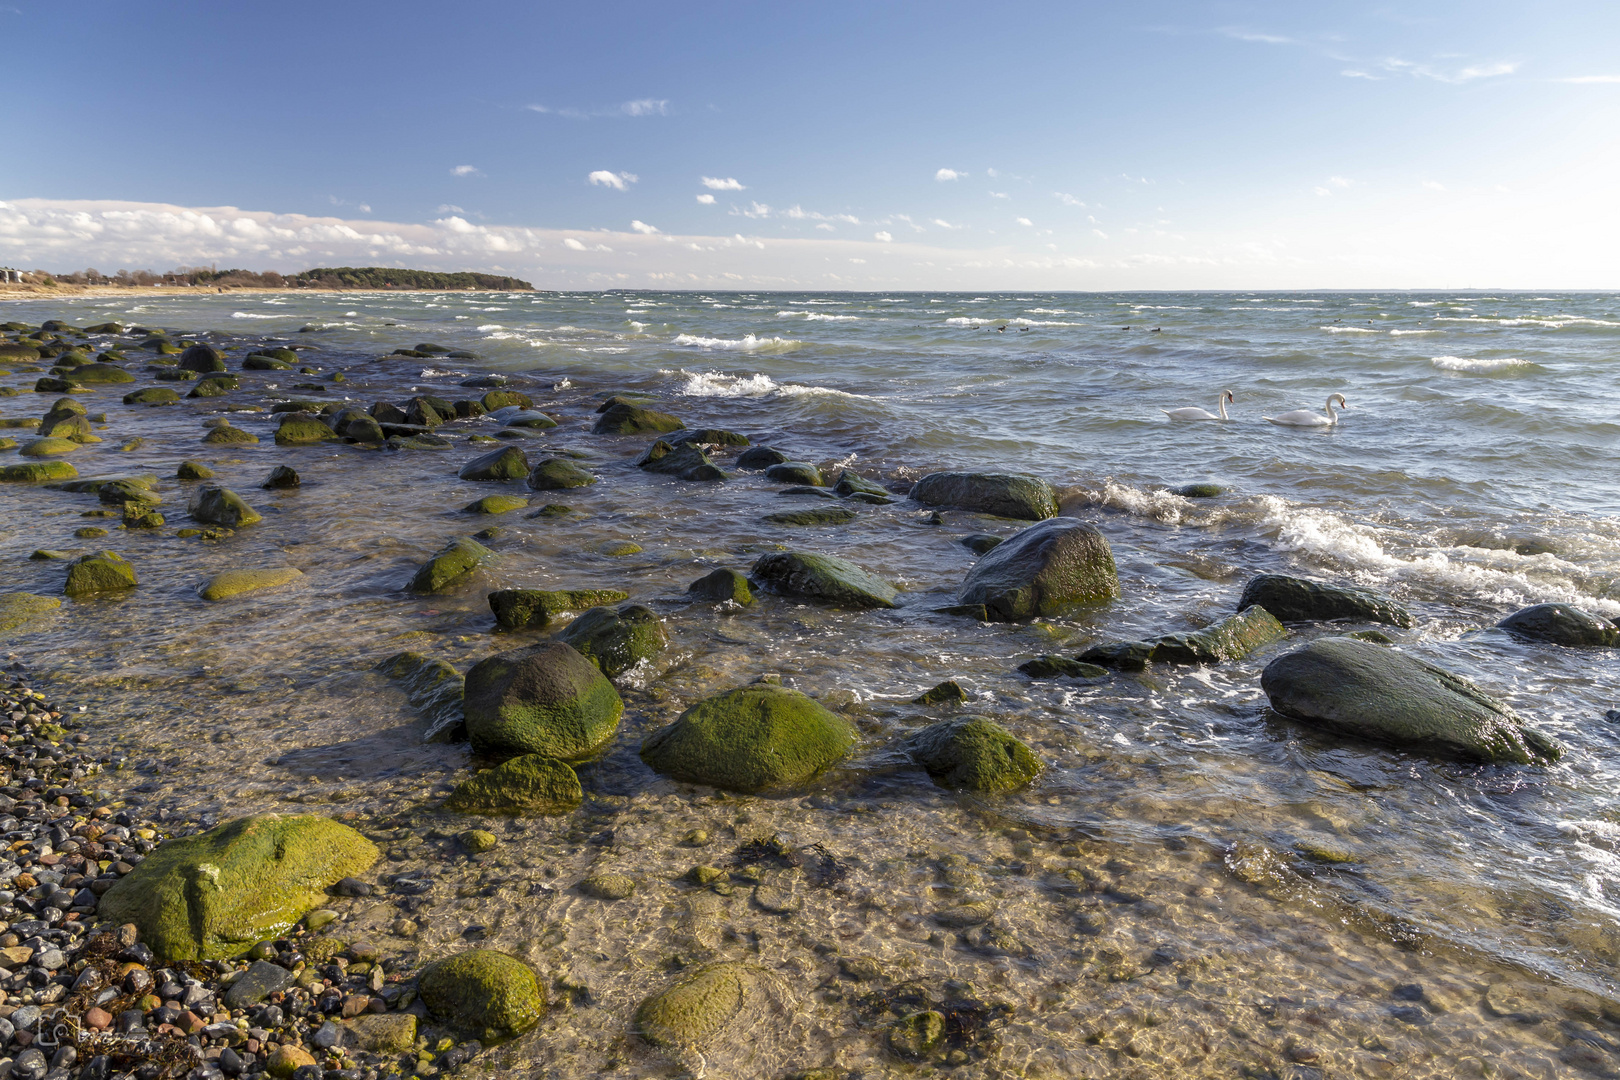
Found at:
[38, 448]
[152, 395]
[1232, 638]
[1002, 494]
[824, 579]
[449, 565]
[1560, 624]
[685, 460]
[796, 472]
[18, 608]
[627, 419]
[1293, 599]
[533, 609]
[527, 784]
[226, 435]
[236, 582]
[973, 754]
[496, 504]
[819, 515]
[546, 699]
[483, 992]
[722, 585]
[946, 693]
[981, 543]
[558, 474]
[193, 470]
[103, 572]
[1374, 692]
[434, 689]
[38, 472]
[852, 483]
[222, 506]
[616, 641]
[750, 739]
[507, 463]
[212, 895]
[700, 1007]
[1202, 490]
[1120, 655]
[1042, 570]
[918, 1035]
[1061, 667]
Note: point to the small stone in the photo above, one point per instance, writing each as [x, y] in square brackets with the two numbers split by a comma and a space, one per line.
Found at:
[947, 692]
[917, 1035]
[608, 886]
[477, 841]
[281, 478]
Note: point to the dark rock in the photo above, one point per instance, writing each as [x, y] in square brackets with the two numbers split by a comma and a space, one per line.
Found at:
[204, 358]
[533, 609]
[616, 640]
[546, 699]
[450, 565]
[823, 579]
[1003, 494]
[760, 457]
[1061, 667]
[1120, 655]
[1230, 639]
[980, 543]
[1043, 570]
[709, 437]
[624, 419]
[282, 477]
[507, 463]
[686, 461]
[221, 506]
[850, 483]
[946, 693]
[1560, 624]
[1198, 491]
[795, 472]
[722, 585]
[259, 982]
[435, 691]
[558, 474]
[820, 515]
[973, 754]
[1293, 599]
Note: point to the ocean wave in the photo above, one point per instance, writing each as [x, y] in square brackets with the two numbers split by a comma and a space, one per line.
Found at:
[1469, 363]
[1162, 506]
[1543, 323]
[435, 373]
[1404, 333]
[250, 315]
[487, 327]
[717, 384]
[1008, 322]
[1049, 311]
[638, 325]
[746, 343]
[1349, 330]
[817, 316]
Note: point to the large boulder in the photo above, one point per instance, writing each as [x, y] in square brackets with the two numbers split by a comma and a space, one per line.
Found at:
[1041, 571]
[616, 640]
[60, 425]
[722, 585]
[823, 579]
[1293, 599]
[527, 784]
[1232, 638]
[533, 609]
[1560, 624]
[627, 419]
[152, 395]
[754, 738]
[229, 583]
[1375, 692]
[203, 358]
[222, 506]
[974, 754]
[40, 448]
[796, 472]
[103, 572]
[701, 1007]
[685, 460]
[558, 474]
[449, 565]
[215, 894]
[102, 373]
[484, 993]
[435, 691]
[302, 429]
[500, 399]
[1004, 494]
[507, 463]
[35, 472]
[546, 699]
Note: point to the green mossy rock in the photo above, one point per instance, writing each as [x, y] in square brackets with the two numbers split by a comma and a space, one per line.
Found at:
[48, 385]
[616, 641]
[948, 692]
[1061, 667]
[213, 895]
[152, 395]
[449, 565]
[102, 373]
[973, 754]
[751, 739]
[507, 463]
[484, 993]
[528, 418]
[1560, 624]
[1378, 693]
[213, 386]
[496, 504]
[710, 437]
[534, 609]
[609, 886]
[796, 472]
[203, 358]
[37, 448]
[817, 515]
[1042, 570]
[237, 582]
[823, 579]
[531, 784]
[627, 419]
[222, 506]
[122, 490]
[850, 483]
[1202, 490]
[226, 435]
[59, 425]
[259, 362]
[1232, 638]
[558, 474]
[103, 572]
[1003, 494]
[1293, 599]
[684, 460]
[546, 699]
[302, 429]
[500, 399]
[38, 472]
[760, 457]
[700, 1007]
[918, 1035]
[18, 608]
[193, 470]
[722, 585]
[434, 689]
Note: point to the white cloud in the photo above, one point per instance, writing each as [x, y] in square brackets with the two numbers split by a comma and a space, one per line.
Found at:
[991, 173]
[883, 237]
[1000, 195]
[942, 223]
[645, 107]
[1321, 191]
[643, 228]
[827, 227]
[753, 210]
[1434, 185]
[948, 174]
[706, 199]
[570, 242]
[466, 170]
[617, 181]
[1066, 199]
[449, 208]
[715, 183]
[1025, 221]
[640, 107]
[861, 262]
[1250, 35]
[364, 208]
[1340, 181]
[1396, 66]
[1100, 233]
[1352, 73]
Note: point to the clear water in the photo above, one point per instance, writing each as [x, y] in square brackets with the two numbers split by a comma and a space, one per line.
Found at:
[1472, 474]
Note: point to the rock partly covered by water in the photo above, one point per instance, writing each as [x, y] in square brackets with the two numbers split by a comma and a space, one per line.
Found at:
[484, 992]
[223, 586]
[1041, 571]
[214, 894]
[685, 460]
[102, 572]
[1003, 494]
[974, 754]
[222, 506]
[824, 579]
[626, 419]
[1293, 599]
[1233, 638]
[1560, 624]
[546, 699]
[558, 474]
[507, 463]
[1378, 693]
[527, 784]
[435, 691]
[700, 1007]
[19, 608]
[204, 358]
[722, 585]
[617, 640]
[754, 738]
[533, 609]
[449, 565]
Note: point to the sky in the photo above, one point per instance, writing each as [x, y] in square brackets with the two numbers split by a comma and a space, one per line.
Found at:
[865, 145]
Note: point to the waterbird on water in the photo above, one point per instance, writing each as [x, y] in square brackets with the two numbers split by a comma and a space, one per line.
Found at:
[1306, 418]
[1191, 413]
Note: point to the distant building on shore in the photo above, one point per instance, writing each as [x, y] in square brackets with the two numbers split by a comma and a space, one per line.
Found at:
[8, 276]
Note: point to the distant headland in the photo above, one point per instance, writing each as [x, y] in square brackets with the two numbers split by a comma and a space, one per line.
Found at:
[323, 278]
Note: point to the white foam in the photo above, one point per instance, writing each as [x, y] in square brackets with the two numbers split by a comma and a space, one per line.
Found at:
[718, 384]
[488, 327]
[1349, 330]
[638, 325]
[1468, 363]
[817, 316]
[1160, 505]
[1402, 333]
[250, 315]
[746, 343]
[434, 373]
[1008, 322]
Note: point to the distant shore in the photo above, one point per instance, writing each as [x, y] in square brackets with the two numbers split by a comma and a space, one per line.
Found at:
[30, 291]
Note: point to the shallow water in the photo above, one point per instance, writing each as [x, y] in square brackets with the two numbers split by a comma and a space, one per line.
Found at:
[1240, 893]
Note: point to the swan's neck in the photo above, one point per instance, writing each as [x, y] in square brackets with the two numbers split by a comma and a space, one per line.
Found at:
[1221, 404]
[1333, 417]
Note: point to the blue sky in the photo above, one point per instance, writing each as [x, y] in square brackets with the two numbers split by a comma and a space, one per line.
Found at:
[837, 145]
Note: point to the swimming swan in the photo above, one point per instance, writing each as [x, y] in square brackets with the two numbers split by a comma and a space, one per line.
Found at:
[1306, 418]
[1202, 414]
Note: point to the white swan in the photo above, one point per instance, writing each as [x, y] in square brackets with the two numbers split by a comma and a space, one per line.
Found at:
[1202, 414]
[1306, 418]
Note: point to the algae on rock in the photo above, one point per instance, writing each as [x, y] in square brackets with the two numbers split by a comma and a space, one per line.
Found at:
[750, 739]
[527, 784]
[483, 992]
[546, 699]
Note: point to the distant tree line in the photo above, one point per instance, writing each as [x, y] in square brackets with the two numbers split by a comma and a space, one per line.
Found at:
[342, 277]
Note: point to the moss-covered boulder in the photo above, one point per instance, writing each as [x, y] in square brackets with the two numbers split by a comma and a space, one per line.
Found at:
[617, 640]
[282, 478]
[203, 358]
[1376, 692]
[754, 738]
[102, 373]
[215, 894]
[302, 429]
[796, 472]
[59, 424]
[226, 435]
[1042, 570]
[722, 585]
[38, 448]
[813, 516]
[103, 572]
[760, 457]
[528, 784]
[917, 1035]
[222, 506]
[558, 474]
[534, 609]
[231, 583]
[1560, 624]
[449, 566]
[701, 1007]
[483, 993]
[709, 437]
[1002, 494]
[19, 608]
[260, 362]
[823, 579]
[1232, 638]
[507, 463]
[434, 689]
[37, 472]
[501, 399]
[684, 460]
[193, 470]
[1061, 667]
[211, 386]
[546, 699]
[626, 419]
[1293, 599]
[973, 754]
[152, 395]
[495, 504]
